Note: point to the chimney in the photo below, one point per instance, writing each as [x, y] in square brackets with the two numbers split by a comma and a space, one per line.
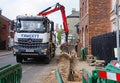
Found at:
[73, 10]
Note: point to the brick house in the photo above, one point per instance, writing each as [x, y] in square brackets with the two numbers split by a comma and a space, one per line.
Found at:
[94, 20]
[4, 32]
[112, 15]
[72, 20]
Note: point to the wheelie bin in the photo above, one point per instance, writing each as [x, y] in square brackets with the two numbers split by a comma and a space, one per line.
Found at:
[84, 52]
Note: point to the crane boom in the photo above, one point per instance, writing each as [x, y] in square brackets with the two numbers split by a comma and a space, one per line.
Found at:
[62, 9]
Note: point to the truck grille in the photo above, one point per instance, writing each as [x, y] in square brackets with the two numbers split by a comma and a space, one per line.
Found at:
[29, 43]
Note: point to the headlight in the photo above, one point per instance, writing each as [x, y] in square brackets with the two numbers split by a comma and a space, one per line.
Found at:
[15, 39]
[15, 43]
[15, 50]
[44, 50]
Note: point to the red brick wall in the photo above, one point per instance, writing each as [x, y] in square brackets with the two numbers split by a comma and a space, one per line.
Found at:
[84, 23]
[4, 33]
[99, 15]
[95, 21]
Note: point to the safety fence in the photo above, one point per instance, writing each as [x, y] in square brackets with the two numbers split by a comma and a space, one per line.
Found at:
[58, 75]
[111, 74]
[103, 46]
[86, 77]
[11, 73]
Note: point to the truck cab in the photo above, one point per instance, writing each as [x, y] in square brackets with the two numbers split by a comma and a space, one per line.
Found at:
[34, 38]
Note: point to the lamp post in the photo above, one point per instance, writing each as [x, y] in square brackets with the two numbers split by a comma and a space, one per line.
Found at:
[0, 11]
[117, 29]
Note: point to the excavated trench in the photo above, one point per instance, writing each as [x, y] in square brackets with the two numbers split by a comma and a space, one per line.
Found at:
[68, 69]
[75, 73]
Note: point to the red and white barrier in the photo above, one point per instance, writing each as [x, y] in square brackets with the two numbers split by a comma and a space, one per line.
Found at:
[116, 64]
[109, 75]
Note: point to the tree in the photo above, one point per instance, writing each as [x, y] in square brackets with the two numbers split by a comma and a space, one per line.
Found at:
[59, 35]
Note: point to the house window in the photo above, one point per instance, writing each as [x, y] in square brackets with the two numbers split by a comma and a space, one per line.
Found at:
[80, 12]
[86, 36]
[83, 9]
[86, 6]
[3, 26]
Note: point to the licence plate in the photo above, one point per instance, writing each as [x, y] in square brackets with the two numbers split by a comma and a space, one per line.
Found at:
[29, 50]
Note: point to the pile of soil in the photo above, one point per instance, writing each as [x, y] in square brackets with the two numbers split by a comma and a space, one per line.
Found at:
[66, 47]
[50, 77]
[63, 64]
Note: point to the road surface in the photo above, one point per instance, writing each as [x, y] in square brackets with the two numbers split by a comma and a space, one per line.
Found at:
[32, 71]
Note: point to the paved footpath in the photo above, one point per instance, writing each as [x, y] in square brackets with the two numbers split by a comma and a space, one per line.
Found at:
[5, 52]
[85, 65]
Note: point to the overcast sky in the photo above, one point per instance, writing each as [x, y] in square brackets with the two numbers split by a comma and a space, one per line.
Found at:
[12, 8]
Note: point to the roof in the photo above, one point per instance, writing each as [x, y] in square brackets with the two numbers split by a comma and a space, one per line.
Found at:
[74, 15]
[1, 16]
[37, 18]
[76, 25]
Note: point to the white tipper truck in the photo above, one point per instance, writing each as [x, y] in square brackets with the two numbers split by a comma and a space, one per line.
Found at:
[34, 38]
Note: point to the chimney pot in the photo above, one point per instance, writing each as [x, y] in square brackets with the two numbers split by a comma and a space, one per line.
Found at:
[73, 10]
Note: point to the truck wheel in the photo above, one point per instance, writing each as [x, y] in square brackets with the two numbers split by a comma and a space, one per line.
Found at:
[47, 60]
[25, 59]
[19, 59]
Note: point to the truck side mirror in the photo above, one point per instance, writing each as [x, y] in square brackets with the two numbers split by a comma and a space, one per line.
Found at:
[19, 25]
[52, 26]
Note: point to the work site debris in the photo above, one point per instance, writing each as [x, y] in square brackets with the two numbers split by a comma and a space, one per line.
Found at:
[91, 60]
[100, 64]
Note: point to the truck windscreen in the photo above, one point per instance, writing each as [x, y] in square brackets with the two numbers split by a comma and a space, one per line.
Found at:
[36, 26]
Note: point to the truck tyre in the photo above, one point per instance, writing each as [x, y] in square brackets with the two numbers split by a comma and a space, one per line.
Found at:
[25, 59]
[19, 59]
[47, 59]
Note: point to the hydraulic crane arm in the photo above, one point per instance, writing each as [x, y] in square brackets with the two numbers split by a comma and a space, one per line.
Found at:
[62, 9]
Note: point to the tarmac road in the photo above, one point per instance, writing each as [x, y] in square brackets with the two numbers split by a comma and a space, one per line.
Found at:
[32, 71]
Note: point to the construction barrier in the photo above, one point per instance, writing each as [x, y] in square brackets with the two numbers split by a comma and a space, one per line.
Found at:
[59, 78]
[102, 46]
[11, 73]
[110, 74]
[86, 76]
[113, 66]
[102, 76]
